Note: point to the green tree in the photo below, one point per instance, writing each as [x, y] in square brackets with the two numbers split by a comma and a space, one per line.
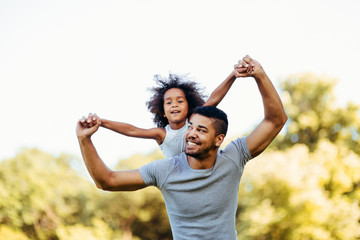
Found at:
[298, 194]
[10, 233]
[42, 195]
[307, 185]
[313, 114]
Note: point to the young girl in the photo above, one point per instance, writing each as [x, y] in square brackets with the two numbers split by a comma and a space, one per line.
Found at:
[172, 104]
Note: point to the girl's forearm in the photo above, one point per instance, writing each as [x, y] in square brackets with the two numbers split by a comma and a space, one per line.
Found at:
[219, 93]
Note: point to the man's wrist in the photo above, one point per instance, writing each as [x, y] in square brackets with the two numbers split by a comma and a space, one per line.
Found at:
[260, 76]
[84, 138]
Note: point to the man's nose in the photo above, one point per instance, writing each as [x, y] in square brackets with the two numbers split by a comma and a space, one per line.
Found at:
[191, 133]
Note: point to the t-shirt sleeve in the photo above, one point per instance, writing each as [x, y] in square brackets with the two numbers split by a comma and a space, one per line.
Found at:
[238, 151]
[156, 172]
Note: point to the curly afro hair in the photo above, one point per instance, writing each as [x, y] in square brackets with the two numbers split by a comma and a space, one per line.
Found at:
[193, 93]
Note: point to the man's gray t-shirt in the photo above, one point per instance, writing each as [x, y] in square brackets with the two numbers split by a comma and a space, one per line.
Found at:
[201, 204]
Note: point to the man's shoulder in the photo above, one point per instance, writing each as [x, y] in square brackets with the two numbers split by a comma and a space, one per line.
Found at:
[237, 142]
[237, 147]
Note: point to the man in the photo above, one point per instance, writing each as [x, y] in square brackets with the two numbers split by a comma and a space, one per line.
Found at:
[199, 186]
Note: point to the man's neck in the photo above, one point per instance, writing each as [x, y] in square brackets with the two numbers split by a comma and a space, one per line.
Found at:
[205, 162]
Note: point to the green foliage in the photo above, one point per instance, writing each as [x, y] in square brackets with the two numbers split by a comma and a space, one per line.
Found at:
[9, 233]
[310, 104]
[40, 193]
[307, 186]
[97, 230]
[43, 197]
[297, 194]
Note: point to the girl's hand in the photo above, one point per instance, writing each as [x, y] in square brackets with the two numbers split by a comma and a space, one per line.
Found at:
[247, 67]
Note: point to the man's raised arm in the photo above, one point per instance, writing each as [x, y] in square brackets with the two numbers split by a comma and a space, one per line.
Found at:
[274, 113]
[104, 178]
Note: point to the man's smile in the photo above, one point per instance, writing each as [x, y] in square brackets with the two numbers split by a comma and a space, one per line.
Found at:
[192, 143]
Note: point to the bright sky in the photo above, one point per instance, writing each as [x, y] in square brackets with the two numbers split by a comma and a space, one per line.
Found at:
[60, 60]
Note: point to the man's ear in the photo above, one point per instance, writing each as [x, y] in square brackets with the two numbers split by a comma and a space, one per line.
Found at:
[219, 139]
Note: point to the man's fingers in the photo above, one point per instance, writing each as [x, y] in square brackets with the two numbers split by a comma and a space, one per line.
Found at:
[239, 67]
[83, 122]
[95, 118]
[91, 120]
[241, 63]
[245, 67]
[247, 59]
[250, 69]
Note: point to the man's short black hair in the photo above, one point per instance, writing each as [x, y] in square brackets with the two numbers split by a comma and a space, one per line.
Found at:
[220, 118]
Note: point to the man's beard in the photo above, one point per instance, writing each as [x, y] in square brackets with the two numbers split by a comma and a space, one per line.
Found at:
[194, 155]
[200, 153]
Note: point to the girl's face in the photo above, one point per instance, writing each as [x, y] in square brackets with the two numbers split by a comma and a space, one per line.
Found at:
[175, 106]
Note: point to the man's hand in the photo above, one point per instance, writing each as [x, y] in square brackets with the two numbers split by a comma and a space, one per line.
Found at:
[248, 67]
[86, 127]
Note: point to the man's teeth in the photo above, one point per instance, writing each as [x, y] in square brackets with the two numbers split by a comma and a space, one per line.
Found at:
[191, 143]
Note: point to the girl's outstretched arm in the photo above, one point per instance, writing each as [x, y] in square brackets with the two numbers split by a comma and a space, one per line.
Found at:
[219, 93]
[158, 134]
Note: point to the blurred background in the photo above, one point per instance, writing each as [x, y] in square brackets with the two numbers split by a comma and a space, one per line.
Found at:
[61, 60]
